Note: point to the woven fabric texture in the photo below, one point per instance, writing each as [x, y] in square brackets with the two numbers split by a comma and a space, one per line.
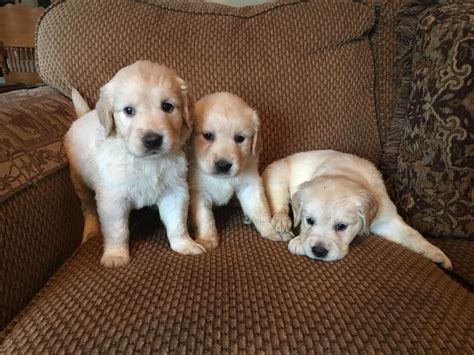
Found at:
[294, 62]
[40, 227]
[249, 295]
[32, 123]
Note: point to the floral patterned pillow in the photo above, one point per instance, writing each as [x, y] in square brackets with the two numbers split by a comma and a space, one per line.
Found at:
[436, 154]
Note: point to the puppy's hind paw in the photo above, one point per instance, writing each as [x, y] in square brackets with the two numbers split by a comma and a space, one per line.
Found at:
[439, 257]
[447, 264]
[209, 242]
[189, 247]
[444, 261]
[91, 228]
[281, 222]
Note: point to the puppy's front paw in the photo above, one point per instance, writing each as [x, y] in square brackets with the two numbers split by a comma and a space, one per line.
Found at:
[115, 259]
[279, 237]
[209, 242]
[188, 247]
[295, 246]
[282, 223]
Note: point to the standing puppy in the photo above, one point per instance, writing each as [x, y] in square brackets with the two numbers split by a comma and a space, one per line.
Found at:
[128, 151]
[225, 146]
[336, 196]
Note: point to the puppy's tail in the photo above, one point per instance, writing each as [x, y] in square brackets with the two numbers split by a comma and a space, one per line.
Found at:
[80, 105]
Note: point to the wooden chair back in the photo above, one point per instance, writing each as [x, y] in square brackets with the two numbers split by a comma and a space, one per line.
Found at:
[17, 42]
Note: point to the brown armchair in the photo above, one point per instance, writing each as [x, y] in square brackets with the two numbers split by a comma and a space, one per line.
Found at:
[321, 75]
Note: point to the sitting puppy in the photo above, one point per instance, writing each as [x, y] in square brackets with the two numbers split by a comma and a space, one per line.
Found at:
[225, 147]
[336, 196]
[128, 151]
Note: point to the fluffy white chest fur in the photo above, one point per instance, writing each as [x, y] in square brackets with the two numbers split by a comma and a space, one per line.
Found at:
[220, 190]
[107, 165]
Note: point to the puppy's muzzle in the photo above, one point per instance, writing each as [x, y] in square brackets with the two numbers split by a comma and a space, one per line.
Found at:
[319, 251]
[222, 166]
[152, 141]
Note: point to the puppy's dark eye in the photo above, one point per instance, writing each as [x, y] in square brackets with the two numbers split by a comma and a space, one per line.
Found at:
[167, 107]
[340, 227]
[208, 136]
[129, 111]
[239, 138]
[310, 221]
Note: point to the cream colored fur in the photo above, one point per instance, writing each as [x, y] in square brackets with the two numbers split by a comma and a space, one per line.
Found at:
[336, 196]
[112, 169]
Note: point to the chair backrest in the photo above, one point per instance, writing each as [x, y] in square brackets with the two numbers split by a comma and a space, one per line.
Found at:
[17, 37]
[309, 75]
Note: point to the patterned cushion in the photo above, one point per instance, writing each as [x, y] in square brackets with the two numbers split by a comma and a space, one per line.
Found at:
[390, 71]
[32, 123]
[436, 154]
[293, 61]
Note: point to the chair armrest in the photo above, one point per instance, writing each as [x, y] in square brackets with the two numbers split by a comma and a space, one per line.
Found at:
[40, 217]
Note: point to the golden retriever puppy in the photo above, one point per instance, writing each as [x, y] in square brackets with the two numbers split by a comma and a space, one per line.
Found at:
[336, 196]
[127, 154]
[225, 147]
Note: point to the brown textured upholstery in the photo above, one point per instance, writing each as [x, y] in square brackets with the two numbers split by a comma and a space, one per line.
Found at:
[461, 251]
[308, 69]
[40, 227]
[248, 295]
[293, 61]
[40, 220]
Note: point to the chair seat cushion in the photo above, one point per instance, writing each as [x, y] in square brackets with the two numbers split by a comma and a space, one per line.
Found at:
[248, 295]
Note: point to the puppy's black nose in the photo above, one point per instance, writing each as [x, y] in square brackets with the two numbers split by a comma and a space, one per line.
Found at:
[152, 140]
[319, 251]
[222, 166]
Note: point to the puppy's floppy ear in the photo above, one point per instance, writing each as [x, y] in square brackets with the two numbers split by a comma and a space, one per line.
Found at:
[257, 139]
[105, 110]
[187, 110]
[367, 209]
[297, 204]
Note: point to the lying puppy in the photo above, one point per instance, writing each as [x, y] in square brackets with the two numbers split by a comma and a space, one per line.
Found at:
[225, 147]
[128, 151]
[336, 196]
